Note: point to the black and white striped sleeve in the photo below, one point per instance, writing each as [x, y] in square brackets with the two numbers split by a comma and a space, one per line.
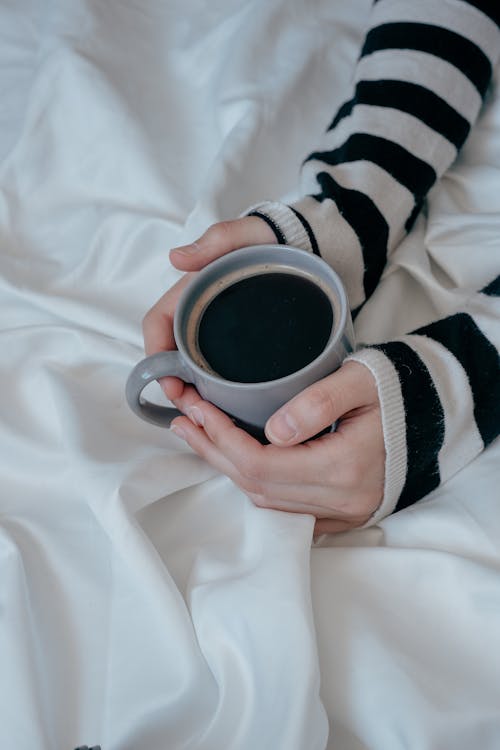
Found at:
[419, 85]
[439, 390]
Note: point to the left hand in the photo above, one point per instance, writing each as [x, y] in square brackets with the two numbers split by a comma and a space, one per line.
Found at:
[338, 478]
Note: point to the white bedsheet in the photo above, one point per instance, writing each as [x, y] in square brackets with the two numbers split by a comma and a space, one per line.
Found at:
[145, 604]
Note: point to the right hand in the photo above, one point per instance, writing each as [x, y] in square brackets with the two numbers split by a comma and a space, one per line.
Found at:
[218, 240]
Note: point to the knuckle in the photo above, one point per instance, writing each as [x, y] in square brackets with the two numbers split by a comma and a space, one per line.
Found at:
[362, 505]
[320, 401]
[155, 316]
[251, 469]
[249, 486]
[146, 321]
[219, 232]
[225, 227]
[261, 501]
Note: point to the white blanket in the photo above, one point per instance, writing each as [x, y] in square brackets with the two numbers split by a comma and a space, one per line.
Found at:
[145, 603]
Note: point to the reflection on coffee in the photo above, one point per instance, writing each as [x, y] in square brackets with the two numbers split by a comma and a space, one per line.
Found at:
[264, 327]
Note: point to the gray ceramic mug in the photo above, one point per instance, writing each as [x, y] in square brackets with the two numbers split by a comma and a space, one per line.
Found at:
[250, 404]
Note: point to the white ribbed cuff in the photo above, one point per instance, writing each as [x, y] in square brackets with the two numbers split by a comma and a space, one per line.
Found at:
[393, 425]
[286, 221]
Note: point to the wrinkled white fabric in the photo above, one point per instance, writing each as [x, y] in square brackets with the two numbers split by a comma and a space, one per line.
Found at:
[144, 601]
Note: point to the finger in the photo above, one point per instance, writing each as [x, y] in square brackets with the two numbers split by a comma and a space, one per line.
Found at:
[291, 497]
[220, 239]
[305, 499]
[337, 525]
[262, 501]
[157, 324]
[322, 404]
[333, 504]
[190, 397]
[158, 332]
[198, 440]
[302, 464]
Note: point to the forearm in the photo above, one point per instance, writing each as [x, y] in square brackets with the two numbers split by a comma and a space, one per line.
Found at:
[419, 84]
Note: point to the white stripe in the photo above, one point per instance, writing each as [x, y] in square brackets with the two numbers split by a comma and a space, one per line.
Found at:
[338, 242]
[485, 311]
[462, 440]
[454, 15]
[393, 200]
[308, 180]
[399, 127]
[393, 423]
[423, 69]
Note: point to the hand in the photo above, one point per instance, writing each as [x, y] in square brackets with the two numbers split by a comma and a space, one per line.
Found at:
[338, 478]
[218, 240]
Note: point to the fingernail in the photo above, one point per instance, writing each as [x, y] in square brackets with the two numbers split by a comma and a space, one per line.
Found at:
[191, 249]
[196, 416]
[282, 427]
[178, 431]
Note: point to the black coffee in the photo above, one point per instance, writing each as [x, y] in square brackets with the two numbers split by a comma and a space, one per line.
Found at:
[265, 327]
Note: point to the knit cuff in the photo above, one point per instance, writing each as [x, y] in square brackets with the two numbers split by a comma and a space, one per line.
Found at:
[393, 424]
[284, 221]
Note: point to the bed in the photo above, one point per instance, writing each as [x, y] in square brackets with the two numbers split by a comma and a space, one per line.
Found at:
[144, 601]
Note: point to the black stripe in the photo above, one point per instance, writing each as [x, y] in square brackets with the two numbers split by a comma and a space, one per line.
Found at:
[410, 221]
[277, 231]
[424, 422]
[309, 231]
[493, 288]
[366, 220]
[412, 172]
[344, 111]
[480, 360]
[413, 99]
[435, 40]
[356, 311]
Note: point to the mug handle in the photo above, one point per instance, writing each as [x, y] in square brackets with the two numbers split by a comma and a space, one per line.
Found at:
[152, 368]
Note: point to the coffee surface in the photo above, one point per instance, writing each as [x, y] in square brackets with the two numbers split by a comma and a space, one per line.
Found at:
[265, 327]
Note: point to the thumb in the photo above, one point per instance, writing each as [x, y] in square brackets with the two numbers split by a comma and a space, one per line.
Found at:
[220, 239]
[322, 404]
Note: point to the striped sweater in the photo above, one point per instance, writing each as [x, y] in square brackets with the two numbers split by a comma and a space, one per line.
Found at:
[419, 84]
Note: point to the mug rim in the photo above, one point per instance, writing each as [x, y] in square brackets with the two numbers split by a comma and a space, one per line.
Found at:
[338, 330]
